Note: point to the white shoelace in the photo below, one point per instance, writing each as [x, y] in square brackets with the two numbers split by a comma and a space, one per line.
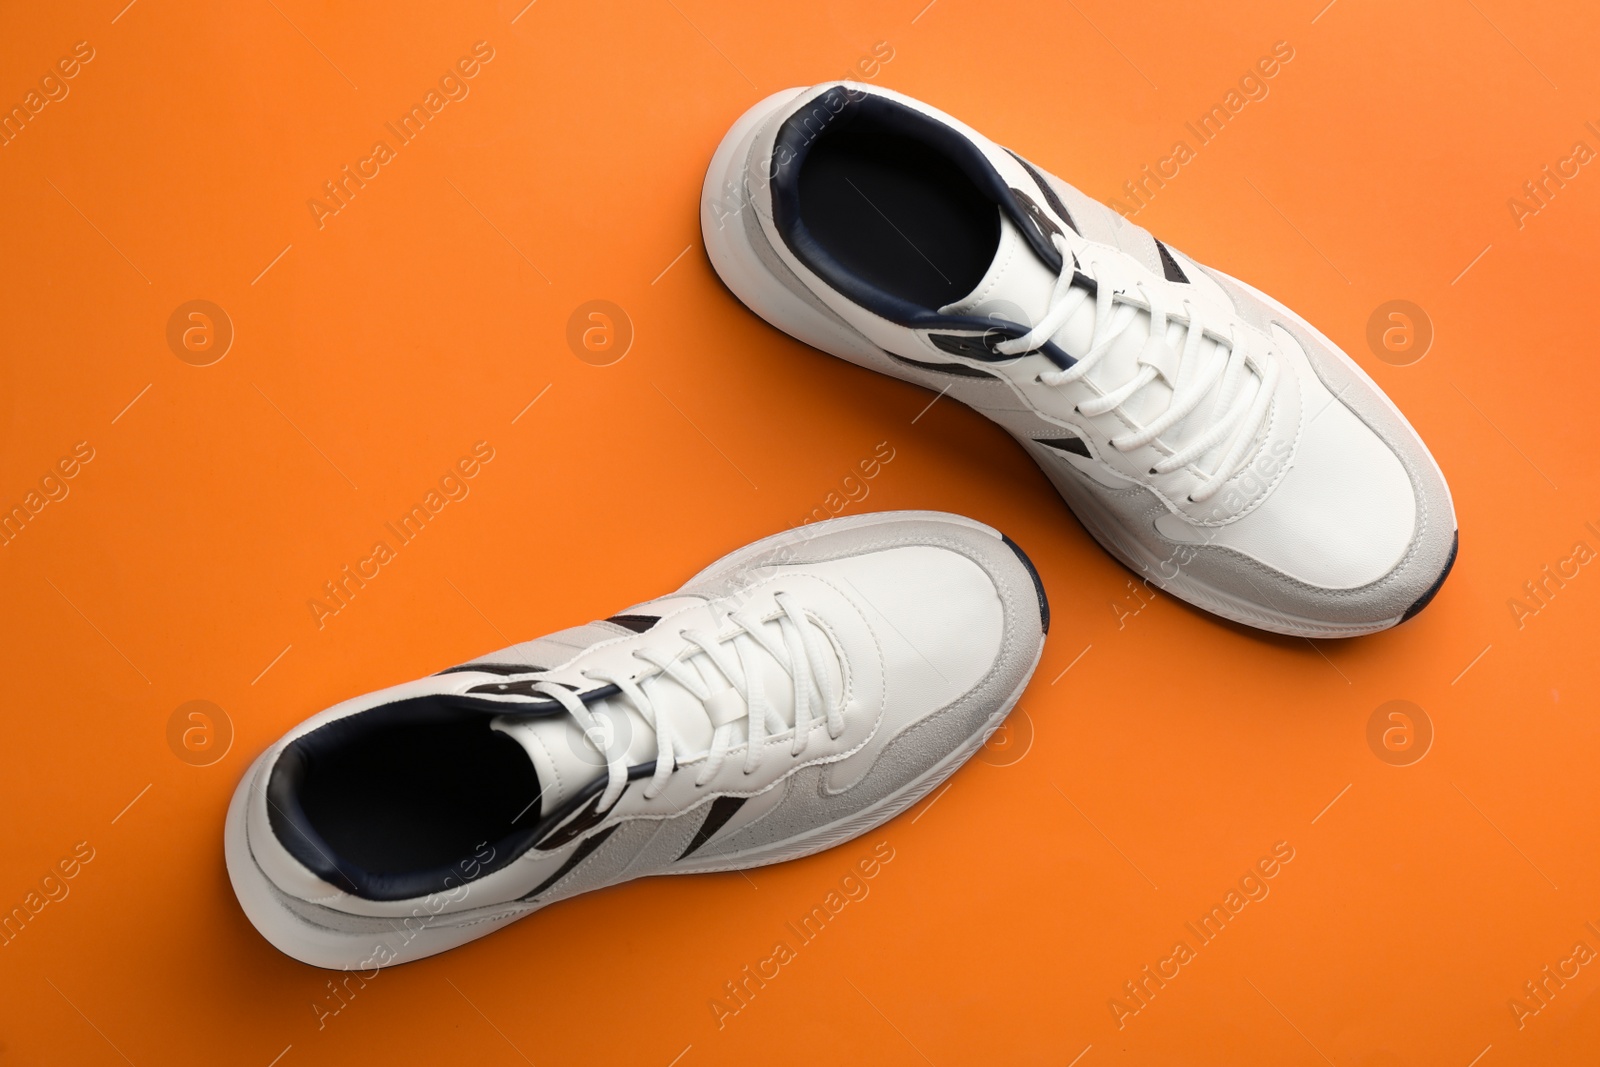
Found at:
[1240, 416]
[743, 669]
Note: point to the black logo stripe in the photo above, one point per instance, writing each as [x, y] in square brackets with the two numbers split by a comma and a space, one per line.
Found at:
[1074, 445]
[637, 623]
[960, 370]
[496, 668]
[579, 854]
[722, 809]
[589, 815]
[1169, 266]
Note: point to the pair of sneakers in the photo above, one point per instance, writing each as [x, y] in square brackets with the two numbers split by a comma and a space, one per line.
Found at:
[813, 685]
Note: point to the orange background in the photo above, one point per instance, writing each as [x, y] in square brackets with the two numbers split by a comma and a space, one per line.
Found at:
[1129, 793]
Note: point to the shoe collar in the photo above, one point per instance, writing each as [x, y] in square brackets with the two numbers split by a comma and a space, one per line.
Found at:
[838, 105]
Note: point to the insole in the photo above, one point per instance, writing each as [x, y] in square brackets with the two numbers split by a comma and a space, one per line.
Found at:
[898, 214]
[418, 796]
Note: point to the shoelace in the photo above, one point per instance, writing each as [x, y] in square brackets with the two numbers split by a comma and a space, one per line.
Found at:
[1240, 416]
[742, 670]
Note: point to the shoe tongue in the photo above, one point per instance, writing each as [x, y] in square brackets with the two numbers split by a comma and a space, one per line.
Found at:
[563, 761]
[1018, 287]
[566, 762]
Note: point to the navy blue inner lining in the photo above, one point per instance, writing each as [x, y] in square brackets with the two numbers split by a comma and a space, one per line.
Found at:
[854, 114]
[415, 797]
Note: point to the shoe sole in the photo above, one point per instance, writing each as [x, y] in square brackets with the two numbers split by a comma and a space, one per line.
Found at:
[748, 277]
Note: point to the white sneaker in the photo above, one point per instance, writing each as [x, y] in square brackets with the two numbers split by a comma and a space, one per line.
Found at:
[795, 694]
[1207, 436]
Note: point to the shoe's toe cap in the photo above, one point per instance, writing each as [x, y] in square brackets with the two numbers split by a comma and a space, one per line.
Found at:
[1360, 532]
[1344, 515]
[956, 612]
[936, 614]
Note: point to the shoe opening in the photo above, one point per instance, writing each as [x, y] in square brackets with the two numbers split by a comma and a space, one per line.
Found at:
[896, 209]
[389, 803]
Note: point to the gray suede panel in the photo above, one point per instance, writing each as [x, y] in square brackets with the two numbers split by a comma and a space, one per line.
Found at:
[1435, 536]
[839, 332]
[809, 803]
[636, 848]
[609, 863]
[1135, 510]
[1132, 511]
[382, 929]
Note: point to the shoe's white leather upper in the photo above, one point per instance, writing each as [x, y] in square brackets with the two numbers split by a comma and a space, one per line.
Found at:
[898, 634]
[1299, 483]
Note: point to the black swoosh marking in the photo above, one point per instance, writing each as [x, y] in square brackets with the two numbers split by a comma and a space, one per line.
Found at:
[960, 370]
[1074, 445]
[579, 854]
[722, 809]
[1046, 225]
[496, 668]
[1049, 193]
[589, 815]
[1169, 266]
[975, 346]
[637, 623]
[524, 688]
